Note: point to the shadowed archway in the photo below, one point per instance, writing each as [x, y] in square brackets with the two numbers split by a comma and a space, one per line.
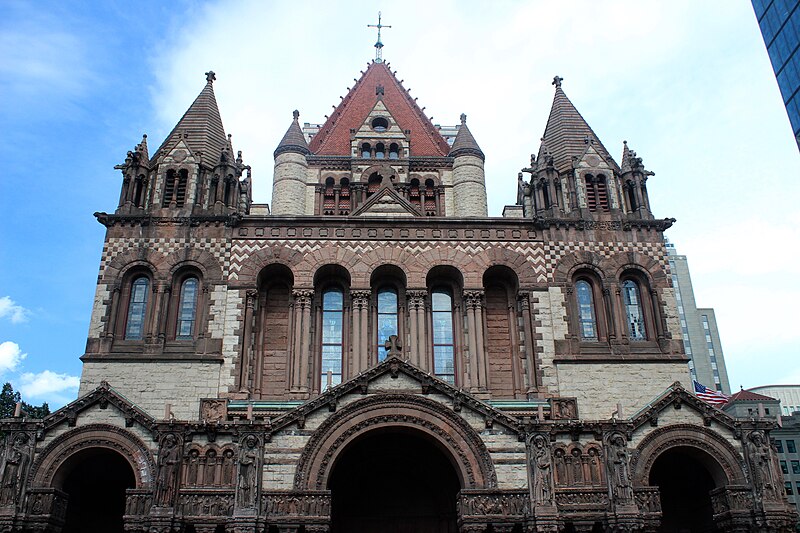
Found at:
[393, 481]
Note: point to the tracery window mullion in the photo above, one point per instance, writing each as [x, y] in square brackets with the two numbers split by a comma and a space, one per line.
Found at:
[387, 319]
[443, 338]
[332, 337]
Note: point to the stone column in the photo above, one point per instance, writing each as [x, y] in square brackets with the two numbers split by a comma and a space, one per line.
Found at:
[657, 314]
[302, 329]
[305, 345]
[530, 347]
[477, 355]
[360, 359]
[112, 322]
[245, 351]
[611, 324]
[516, 364]
[416, 311]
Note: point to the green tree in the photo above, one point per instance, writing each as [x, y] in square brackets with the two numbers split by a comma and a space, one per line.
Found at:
[8, 403]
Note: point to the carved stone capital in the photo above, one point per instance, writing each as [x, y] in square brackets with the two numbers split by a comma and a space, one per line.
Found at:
[302, 297]
[360, 299]
[473, 299]
[416, 299]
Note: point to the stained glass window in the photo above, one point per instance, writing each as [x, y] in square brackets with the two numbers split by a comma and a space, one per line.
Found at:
[586, 314]
[187, 309]
[443, 345]
[134, 327]
[633, 310]
[387, 318]
[332, 321]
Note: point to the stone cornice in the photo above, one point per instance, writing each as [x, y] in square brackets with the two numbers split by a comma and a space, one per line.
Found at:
[609, 225]
[110, 220]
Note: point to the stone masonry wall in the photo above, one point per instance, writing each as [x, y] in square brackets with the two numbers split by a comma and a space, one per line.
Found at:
[469, 187]
[289, 187]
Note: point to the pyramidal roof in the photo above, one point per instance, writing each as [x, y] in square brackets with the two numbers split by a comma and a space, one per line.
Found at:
[746, 395]
[378, 82]
[567, 134]
[200, 127]
[293, 140]
[465, 143]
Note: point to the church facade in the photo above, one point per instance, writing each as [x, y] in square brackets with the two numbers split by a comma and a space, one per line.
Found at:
[375, 353]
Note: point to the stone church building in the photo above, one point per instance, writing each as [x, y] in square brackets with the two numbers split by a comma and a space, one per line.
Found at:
[373, 352]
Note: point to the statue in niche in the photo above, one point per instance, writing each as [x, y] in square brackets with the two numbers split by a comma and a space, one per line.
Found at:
[227, 467]
[560, 466]
[14, 469]
[191, 467]
[247, 485]
[169, 462]
[577, 467]
[618, 464]
[761, 463]
[541, 466]
[595, 473]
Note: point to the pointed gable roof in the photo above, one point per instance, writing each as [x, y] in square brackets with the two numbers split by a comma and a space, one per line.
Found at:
[201, 127]
[465, 143]
[334, 136]
[566, 133]
[293, 140]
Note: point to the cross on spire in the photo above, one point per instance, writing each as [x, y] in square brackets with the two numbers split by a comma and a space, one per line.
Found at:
[557, 81]
[378, 44]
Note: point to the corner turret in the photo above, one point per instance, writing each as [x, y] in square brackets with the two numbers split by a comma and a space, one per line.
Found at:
[291, 167]
[469, 180]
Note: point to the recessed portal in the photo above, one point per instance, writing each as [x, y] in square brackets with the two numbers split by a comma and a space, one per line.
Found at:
[95, 480]
[393, 482]
[684, 477]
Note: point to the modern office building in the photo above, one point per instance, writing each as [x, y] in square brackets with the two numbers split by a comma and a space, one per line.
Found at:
[780, 25]
[698, 328]
[789, 396]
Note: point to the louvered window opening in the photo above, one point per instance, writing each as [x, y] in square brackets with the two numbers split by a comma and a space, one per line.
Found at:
[596, 193]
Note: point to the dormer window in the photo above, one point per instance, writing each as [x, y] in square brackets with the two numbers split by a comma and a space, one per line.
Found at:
[380, 124]
[394, 151]
[380, 151]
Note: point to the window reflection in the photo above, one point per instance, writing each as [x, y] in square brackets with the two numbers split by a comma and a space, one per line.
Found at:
[443, 346]
[387, 319]
[332, 320]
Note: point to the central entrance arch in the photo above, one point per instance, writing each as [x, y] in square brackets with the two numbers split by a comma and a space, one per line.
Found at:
[393, 480]
[95, 480]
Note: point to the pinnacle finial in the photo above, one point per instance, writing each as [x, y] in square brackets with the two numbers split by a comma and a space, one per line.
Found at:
[463, 118]
[557, 81]
[296, 114]
[378, 44]
[210, 76]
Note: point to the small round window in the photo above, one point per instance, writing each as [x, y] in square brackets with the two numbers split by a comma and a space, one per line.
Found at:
[380, 124]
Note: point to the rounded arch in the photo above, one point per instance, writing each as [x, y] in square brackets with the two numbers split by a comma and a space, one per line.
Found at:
[450, 433]
[445, 275]
[503, 275]
[569, 264]
[255, 263]
[59, 452]
[202, 260]
[635, 261]
[332, 274]
[716, 454]
[388, 274]
[275, 273]
[121, 263]
[384, 171]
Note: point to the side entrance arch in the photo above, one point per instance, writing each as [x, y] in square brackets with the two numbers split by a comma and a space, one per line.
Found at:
[94, 466]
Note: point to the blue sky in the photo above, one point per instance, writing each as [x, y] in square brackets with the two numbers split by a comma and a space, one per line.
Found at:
[688, 84]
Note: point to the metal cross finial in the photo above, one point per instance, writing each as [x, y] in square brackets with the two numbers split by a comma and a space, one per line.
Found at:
[557, 81]
[378, 44]
[210, 76]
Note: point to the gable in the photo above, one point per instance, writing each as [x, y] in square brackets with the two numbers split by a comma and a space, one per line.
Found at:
[387, 203]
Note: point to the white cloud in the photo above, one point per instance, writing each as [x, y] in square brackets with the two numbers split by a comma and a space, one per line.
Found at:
[46, 384]
[10, 356]
[9, 309]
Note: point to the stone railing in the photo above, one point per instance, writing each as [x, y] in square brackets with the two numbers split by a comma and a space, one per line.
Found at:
[138, 502]
[206, 502]
[488, 504]
[47, 502]
[590, 499]
[731, 498]
[307, 506]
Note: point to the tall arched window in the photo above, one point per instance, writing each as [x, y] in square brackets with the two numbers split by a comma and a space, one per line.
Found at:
[137, 308]
[169, 188]
[387, 318]
[394, 151]
[443, 338]
[380, 151]
[587, 317]
[366, 150]
[332, 327]
[187, 309]
[634, 314]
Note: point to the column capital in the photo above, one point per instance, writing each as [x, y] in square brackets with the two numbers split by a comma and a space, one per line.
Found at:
[474, 299]
[303, 297]
[360, 298]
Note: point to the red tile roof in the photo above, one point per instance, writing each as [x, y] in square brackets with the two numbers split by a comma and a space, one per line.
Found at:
[747, 395]
[334, 136]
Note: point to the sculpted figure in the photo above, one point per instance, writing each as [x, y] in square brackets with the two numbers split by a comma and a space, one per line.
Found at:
[541, 465]
[14, 468]
[618, 461]
[761, 462]
[248, 465]
[169, 462]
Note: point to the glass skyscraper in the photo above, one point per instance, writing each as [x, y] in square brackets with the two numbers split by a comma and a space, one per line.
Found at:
[780, 25]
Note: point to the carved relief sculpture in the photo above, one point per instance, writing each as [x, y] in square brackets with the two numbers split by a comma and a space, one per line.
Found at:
[765, 480]
[169, 462]
[14, 469]
[247, 481]
[618, 465]
[541, 468]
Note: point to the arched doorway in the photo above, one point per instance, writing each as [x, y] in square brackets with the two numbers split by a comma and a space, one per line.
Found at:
[95, 479]
[393, 481]
[685, 476]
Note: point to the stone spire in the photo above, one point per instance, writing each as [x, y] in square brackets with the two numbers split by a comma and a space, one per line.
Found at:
[293, 140]
[200, 127]
[464, 142]
[567, 133]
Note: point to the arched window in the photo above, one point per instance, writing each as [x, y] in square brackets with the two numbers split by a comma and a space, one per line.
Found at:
[587, 318]
[630, 192]
[138, 191]
[180, 190]
[596, 192]
[374, 183]
[380, 151]
[366, 150]
[169, 188]
[394, 151]
[634, 314]
[332, 338]
[137, 308]
[187, 309]
[443, 338]
[413, 193]
[430, 198]
[545, 186]
[387, 318]
[380, 124]
[329, 197]
[344, 196]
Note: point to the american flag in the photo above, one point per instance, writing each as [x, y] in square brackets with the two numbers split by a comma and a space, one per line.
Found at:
[709, 395]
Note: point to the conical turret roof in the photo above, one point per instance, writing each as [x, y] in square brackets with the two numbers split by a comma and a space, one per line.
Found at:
[567, 133]
[464, 143]
[293, 140]
[378, 82]
[200, 127]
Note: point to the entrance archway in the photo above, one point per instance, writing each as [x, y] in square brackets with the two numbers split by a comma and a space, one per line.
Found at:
[685, 477]
[393, 481]
[95, 479]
